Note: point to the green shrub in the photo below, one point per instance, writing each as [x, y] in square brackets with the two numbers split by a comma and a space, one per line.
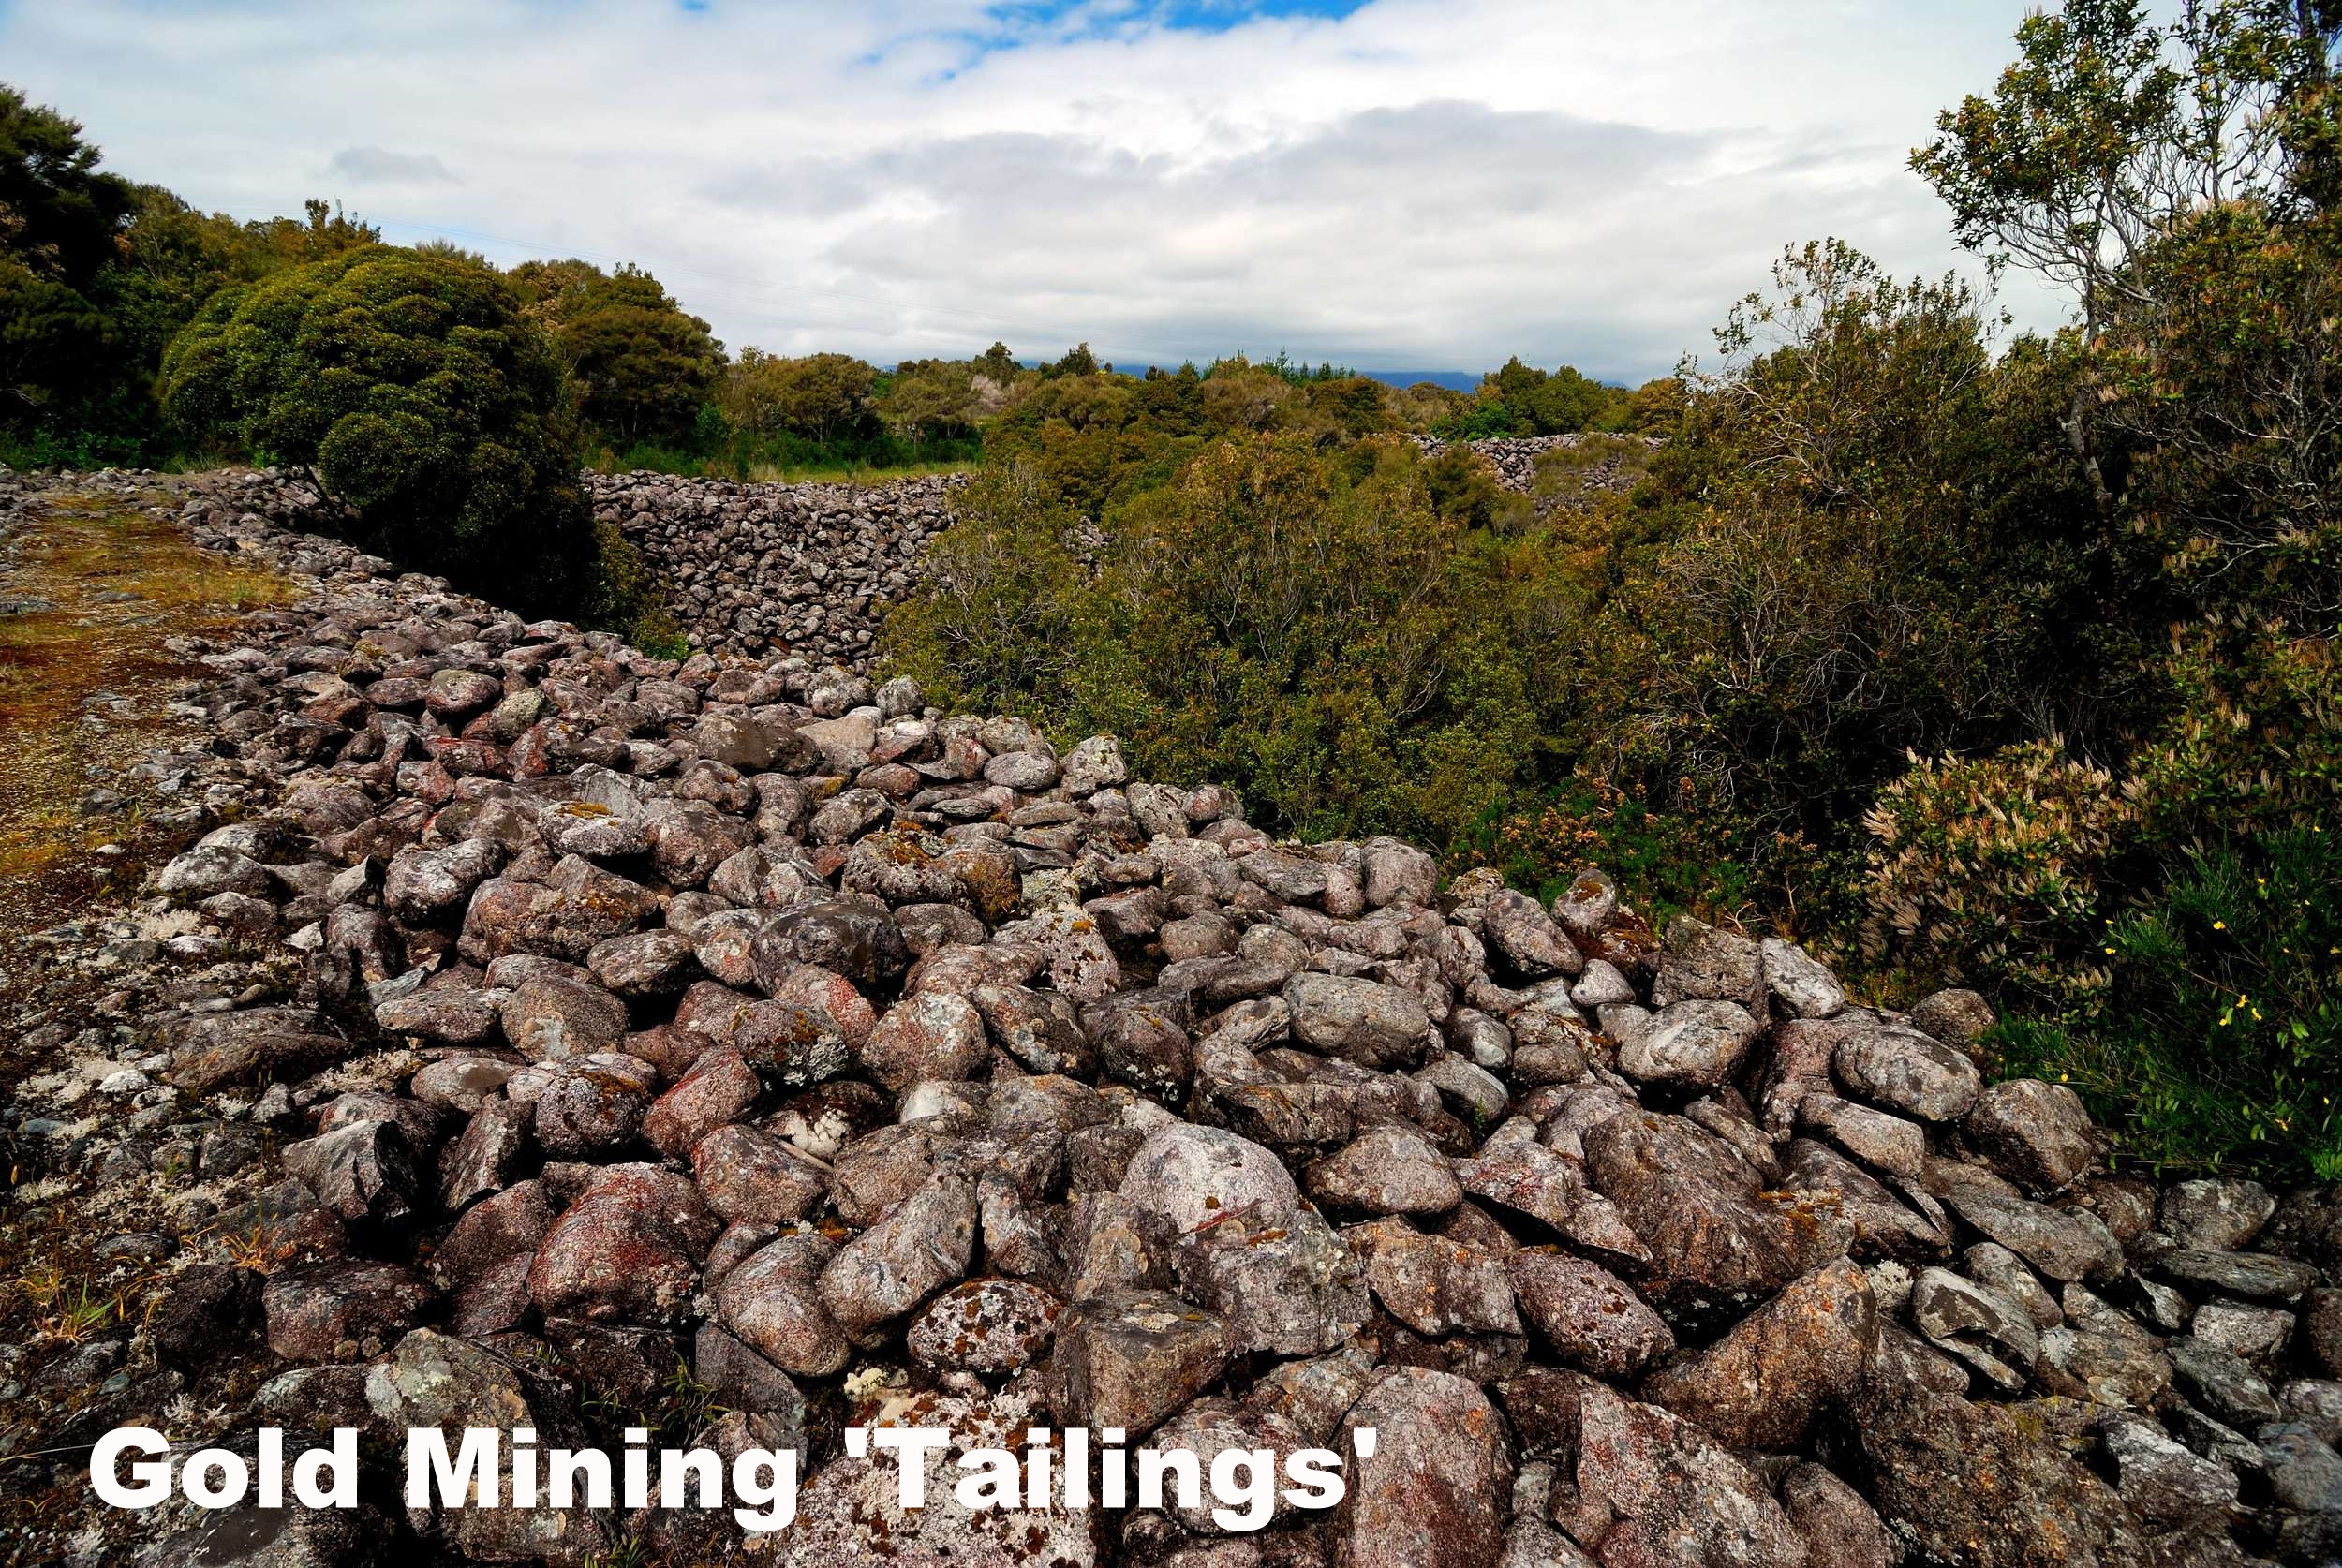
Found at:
[2216, 1043]
[822, 397]
[1299, 624]
[2252, 742]
[415, 389]
[624, 598]
[1003, 618]
[1995, 871]
[644, 367]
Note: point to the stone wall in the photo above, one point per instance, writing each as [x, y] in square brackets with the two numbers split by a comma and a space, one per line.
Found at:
[753, 569]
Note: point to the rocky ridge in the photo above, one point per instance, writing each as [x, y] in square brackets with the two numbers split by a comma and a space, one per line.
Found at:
[533, 1018]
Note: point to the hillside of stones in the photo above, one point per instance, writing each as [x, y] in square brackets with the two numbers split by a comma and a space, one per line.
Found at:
[539, 1033]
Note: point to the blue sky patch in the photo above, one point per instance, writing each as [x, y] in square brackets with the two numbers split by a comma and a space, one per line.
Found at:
[1010, 25]
[1201, 16]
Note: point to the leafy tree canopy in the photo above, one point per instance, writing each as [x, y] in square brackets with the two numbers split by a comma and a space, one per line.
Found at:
[643, 365]
[421, 394]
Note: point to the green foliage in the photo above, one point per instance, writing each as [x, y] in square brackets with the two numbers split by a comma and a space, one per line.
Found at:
[1091, 440]
[1001, 625]
[96, 276]
[421, 395]
[822, 397]
[1995, 870]
[623, 597]
[1303, 627]
[1830, 570]
[997, 364]
[2218, 1041]
[1522, 400]
[932, 400]
[59, 217]
[1688, 858]
[643, 366]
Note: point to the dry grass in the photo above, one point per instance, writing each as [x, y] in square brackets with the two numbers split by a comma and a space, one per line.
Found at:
[119, 582]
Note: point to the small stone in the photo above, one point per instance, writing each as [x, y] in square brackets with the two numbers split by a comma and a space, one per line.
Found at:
[986, 1325]
[2035, 1134]
[1590, 1317]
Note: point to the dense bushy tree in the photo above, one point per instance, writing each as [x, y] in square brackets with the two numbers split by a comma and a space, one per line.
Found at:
[97, 274]
[1300, 624]
[930, 400]
[825, 397]
[997, 364]
[643, 365]
[2179, 182]
[1078, 361]
[59, 219]
[421, 395]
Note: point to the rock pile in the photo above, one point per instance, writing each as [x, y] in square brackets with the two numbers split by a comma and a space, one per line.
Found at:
[1514, 458]
[873, 1065]
[802, 568]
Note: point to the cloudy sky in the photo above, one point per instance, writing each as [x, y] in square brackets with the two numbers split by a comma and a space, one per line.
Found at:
[1391, 183]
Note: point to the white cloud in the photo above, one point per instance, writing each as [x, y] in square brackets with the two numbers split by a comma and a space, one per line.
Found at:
[380, 166]
[1426, 183]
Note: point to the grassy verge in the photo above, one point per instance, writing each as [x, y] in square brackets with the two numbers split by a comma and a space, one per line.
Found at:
[97, 590]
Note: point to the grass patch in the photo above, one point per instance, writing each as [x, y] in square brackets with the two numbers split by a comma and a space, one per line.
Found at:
[84, 677]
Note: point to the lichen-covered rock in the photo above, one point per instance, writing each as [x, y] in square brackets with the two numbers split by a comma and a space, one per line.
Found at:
[1655, 1488]
[1437, 1489]
[1435, 1285]
[434, 1380]
[342, 1310]
[1591, 1318]
[1762, 1384]
[1185, 1178]
[1691, 1044]
[772, 1300]
[627, 1249]
[1389, 1169]
[1975, 1482]
[746, 1173]
[929, 1036]
[1903, 1070]
[850, 1510]
[1358, 1020]
[922, 1245]
[1130, 1358]
[986, 1325]
[2034, 1133]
